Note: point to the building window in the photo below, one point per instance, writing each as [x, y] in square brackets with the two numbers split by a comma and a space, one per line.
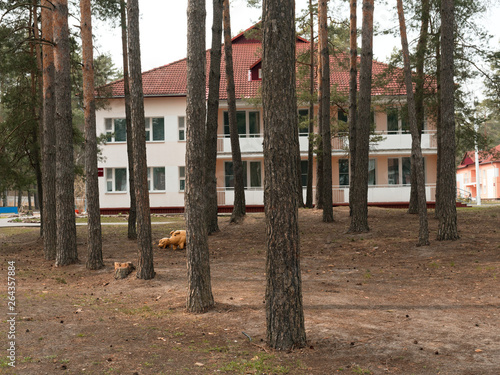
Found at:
[182, 179]
[342, 115]
[155, 129]
[344, 172]
[251, 176]
[116, 129]
[248, 123]
[397, 121]
[303, 171]
[156, 179]
[181, 123]
[116, 179]
[399, 167]
[303, 122]
[372, 172]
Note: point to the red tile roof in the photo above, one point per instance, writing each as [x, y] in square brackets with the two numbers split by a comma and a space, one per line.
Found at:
[492, 156]
[170, 79]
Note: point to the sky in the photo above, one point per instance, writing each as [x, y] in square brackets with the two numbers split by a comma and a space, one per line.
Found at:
[163, 29]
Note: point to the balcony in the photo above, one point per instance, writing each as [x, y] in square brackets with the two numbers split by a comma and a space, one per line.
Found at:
[340, 194]
[252, 144]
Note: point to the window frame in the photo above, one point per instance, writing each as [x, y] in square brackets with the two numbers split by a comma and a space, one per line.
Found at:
[111, 179]
[247, 171]
[182, 178]
[149, 126]
[247, 134]
[151, 180]
[111, 131]
[181, 128]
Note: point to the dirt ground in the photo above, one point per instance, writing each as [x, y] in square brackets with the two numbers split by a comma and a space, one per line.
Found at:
[374, 303]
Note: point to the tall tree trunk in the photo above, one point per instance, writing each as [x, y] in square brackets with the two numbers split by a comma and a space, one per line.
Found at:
[310, 150]
[212, 117]
[132, 213]
[145, 268]
[94, 240]
[199, 298]
[65, 176]
[325, 112]
[284, 309]
[48, 137]
[38, 94]
[438, 125]
[359, 204]
[416, 155]
[419, 95]
[319, 153]
[239, 208]
[447, 212]
[353, 104]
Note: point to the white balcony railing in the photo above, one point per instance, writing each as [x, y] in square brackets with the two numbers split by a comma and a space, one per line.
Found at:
[340, 142]
[340, 194]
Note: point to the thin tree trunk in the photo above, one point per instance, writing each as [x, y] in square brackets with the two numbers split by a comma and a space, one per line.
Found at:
[65, 177]
[419, 96]
[284, 309]
[447, 212]
[359, 204]
[353, 105]
[132, 213]
[199, 298]
[145, 267]
[239, 208]
[325, 112]
[48, 137]
[310, 151]
[416, 156]
[212, 120]
[94, 240]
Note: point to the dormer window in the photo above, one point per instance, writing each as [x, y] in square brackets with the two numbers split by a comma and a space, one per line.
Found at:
[255, 72]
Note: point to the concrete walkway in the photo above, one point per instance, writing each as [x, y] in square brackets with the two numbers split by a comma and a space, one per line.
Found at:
[5, 223]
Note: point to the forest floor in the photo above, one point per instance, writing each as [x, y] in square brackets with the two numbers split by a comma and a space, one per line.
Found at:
[374, 303]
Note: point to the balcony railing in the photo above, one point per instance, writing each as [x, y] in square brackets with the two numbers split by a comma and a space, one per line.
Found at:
[340, 194]
[340, 142]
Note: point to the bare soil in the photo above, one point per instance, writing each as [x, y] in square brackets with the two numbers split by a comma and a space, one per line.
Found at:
[374, 303]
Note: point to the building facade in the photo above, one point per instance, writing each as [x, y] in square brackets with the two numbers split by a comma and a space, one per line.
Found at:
[165, 108]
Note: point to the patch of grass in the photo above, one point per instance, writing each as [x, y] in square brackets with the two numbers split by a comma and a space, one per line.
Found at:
[260, 364]
[60, 280]
[433, 265]
[358, 370]
[27, 360]
[4, 362]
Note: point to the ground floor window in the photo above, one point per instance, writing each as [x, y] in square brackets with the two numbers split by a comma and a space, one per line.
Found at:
[344, 172]
[252, 172]
[116, 179]
[399, 171]
[156, 179]
[182, 179]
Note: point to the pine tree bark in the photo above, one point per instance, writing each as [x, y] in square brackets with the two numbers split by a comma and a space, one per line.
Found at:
[325, 113]
[447, 212]
[310, 151]
[145, 268]
[416, 156]
[239, 209]
[199, 298]
[65, 194]
[132, 213]
[359, 204]
[284, 309]
[419, 95]
[94, 241]
[212, 120]
[353, 104]
[49, 137]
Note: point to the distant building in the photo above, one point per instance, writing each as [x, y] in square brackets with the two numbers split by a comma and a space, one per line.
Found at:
[165, 108]
[489, 179]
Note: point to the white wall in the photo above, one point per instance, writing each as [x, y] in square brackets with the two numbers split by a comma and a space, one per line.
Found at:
[169, 153]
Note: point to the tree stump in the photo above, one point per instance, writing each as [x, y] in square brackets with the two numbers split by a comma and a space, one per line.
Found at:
[122, 270]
